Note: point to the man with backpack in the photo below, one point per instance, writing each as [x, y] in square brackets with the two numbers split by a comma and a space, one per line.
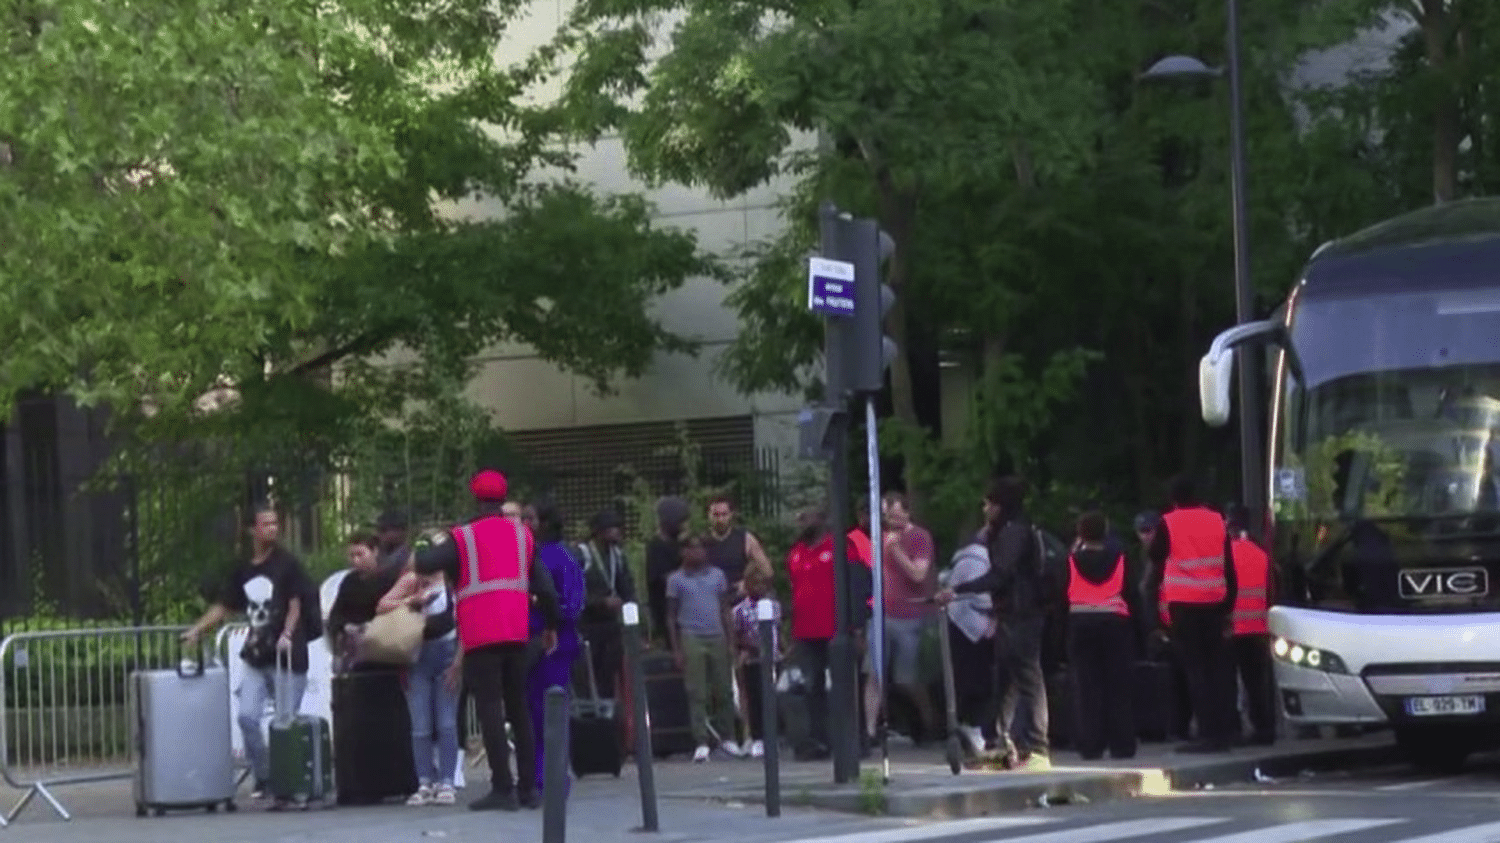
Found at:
[1018, 590]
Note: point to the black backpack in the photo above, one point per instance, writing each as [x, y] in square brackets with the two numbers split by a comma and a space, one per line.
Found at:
[1052, 571]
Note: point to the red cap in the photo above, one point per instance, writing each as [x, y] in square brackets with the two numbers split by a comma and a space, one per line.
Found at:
[488, 485]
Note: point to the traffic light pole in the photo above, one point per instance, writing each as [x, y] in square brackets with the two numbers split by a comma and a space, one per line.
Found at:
[843, 699]
[844, 285]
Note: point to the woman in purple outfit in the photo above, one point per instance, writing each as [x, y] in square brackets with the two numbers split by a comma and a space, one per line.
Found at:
[555, 668]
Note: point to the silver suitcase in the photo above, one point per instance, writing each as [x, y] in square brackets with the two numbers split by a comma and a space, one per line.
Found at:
[184, 758]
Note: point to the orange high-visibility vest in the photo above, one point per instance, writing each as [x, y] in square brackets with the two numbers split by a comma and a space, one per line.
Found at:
[1195, 559]
[492, 598]
[1252, 572]
[1107, 597]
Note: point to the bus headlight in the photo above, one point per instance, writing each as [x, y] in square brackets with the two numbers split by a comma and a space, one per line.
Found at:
[1301, 655]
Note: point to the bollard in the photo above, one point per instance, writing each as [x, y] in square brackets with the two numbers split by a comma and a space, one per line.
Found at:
[554, 767]
[645, 772]
[765, 612]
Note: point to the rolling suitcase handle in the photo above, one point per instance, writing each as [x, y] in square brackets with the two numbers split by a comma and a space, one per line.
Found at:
[588, 663]
[281, 686]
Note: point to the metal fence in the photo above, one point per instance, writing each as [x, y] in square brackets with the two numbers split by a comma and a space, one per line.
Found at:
[65, 705]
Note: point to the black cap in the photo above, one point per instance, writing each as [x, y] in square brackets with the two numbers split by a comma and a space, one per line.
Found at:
[1147, 520]
[605, 519]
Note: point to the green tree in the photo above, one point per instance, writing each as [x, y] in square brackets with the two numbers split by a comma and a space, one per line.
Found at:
[1042, 198]
[914, 99]
[253, 194]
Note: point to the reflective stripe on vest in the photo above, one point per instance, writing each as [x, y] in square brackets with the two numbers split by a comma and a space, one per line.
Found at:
[477, 585]
[1195, 560]
[1107, 598]
[1252, 570]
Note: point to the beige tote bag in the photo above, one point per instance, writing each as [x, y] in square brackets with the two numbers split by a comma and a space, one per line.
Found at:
[393, 638]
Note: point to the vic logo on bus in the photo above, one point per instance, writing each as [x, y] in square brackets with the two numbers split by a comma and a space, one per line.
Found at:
[1444, 582]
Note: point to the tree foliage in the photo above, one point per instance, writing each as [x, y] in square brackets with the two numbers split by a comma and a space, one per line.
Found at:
[195, 191]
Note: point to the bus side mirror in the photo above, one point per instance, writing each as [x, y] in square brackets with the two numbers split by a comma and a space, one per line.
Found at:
[1215, 371]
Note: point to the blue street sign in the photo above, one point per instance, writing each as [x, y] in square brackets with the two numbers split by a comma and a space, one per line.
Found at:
[830, 287]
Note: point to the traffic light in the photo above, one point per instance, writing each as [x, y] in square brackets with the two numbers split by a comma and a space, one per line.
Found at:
[846, 287]
[868, 351]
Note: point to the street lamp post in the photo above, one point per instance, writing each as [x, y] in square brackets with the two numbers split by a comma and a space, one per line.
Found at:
[1252, 484]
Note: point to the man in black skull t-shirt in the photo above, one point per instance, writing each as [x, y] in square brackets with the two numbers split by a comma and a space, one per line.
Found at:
[268, 590]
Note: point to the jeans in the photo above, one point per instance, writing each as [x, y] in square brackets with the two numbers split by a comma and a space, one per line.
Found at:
[496, 675]
[555, 669]
[434, 709]
[257, 690]
[1018, 657]
[710, 678]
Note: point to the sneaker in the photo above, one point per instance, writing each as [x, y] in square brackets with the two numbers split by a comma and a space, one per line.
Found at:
[423, 796]
[444, 794]
[261, 790]
[531, 801]
[1034, 763]
[757, 749]
[731, 749]
[973, 739]
[700, 755]
[495, 801]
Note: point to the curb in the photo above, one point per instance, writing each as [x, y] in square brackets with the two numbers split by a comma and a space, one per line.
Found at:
[1232, 771]
[976, 796]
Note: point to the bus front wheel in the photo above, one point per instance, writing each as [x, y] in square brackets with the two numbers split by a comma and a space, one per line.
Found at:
[1433, 750]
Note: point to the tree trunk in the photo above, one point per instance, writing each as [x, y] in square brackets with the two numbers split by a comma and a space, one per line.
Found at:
[1437, 31]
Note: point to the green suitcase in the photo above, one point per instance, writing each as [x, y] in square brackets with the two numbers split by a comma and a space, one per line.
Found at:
[301, 756]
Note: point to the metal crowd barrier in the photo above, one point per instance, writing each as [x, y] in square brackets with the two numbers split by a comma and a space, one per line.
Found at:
[65, 702]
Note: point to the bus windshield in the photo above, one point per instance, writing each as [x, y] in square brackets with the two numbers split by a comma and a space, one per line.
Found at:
[1394, 412]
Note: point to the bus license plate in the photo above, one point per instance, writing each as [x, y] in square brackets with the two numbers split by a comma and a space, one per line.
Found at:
[1429, 706]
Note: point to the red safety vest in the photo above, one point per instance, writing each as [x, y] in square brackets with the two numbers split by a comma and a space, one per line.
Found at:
[1102, 598]
[493, 602]
[1195, 560]
[1252, 573]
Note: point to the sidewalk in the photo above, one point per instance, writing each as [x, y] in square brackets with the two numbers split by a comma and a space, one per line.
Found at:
[718, 801]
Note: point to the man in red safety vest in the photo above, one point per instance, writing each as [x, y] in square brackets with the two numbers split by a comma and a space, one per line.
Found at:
[1195, 592]
[1252, 638]
[491, 562]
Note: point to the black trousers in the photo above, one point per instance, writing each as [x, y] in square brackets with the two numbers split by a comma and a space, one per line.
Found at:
[1101, 654]
[974, 681]
[1252, 654]
[1018, 664]
[812, 660]
[496, 677]
[1200, 630]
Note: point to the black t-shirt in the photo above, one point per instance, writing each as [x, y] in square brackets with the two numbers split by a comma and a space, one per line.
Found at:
[263, 593]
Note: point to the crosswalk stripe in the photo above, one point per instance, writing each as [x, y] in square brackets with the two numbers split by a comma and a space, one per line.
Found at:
[1298, 832]
[1123, 830]
[933, 831]
[1485, 833]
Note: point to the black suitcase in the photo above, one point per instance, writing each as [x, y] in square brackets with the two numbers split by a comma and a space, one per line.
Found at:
[667, 704]
[372, 759]
[594, 729]
[1154, 699]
